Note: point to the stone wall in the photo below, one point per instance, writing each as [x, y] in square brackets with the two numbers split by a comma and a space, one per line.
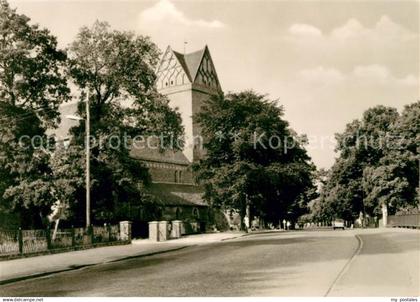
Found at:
[407, 221]
[165, 230]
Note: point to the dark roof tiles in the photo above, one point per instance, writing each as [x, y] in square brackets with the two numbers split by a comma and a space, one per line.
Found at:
[154, 154]
[190, 62]
[178, 194]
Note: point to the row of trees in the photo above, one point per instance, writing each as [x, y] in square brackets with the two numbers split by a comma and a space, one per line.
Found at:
[378, 166]
[108, 66]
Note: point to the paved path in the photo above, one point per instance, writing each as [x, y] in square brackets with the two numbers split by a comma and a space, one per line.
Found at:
[334, 263]
[43, 265]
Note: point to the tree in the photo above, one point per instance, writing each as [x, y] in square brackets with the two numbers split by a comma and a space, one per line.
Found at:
[361, 146]
[394, 181]
[115, 70]
[32, 86]
[253, 157]
[408, 128]
[66, 179]
[378, 164]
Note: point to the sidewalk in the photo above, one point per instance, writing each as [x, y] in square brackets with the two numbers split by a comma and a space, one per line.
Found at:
[24, 268]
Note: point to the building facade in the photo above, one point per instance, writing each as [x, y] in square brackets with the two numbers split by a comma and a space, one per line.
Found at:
[188, 80]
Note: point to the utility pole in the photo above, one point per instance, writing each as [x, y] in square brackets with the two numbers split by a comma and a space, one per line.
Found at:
[87, 126]
[87, 145]
[363, 202]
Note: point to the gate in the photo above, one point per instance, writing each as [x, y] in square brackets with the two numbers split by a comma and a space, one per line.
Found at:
[140, 229]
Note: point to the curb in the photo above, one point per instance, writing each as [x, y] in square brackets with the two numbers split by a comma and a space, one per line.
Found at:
[266, 232]
[149, 254]
[347, 265]
[256, 233]
[76, 267]
[63, 250]
[231, 238]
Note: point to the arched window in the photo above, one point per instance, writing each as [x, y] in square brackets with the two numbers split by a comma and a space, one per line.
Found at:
[177, 176]
[195, 213]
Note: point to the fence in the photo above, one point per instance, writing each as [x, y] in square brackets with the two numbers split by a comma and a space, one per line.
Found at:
[190, 228]
[15, 242]
[407, 221]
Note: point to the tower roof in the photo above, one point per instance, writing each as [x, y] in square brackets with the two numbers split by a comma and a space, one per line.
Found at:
[191, 61]
[181, 60]
[196, 66]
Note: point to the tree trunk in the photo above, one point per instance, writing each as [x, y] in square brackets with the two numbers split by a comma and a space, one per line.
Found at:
[384, 214]
[247, 217]
[242, 215]
[55, 229]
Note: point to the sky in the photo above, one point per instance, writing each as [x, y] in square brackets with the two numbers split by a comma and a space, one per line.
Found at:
[325, 62]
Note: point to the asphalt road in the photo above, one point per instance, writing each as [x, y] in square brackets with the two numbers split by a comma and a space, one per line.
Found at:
[301, 263]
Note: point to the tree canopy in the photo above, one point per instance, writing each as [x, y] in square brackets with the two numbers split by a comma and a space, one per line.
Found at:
[32, 86]
[253, 157]
[378, 164]
[115, 70]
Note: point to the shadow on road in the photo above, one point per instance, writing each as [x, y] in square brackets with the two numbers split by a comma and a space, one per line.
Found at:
[289, 263]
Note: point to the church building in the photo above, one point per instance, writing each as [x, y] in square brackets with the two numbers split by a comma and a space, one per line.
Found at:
[187, 80]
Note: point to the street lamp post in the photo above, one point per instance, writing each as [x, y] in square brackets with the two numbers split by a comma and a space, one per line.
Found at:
[87, 144]
[87, 126]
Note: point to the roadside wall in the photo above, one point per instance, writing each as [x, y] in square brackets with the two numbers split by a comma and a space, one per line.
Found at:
[29, 242]
[408, 221]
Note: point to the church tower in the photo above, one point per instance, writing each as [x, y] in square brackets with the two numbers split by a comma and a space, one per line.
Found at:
[188, 80]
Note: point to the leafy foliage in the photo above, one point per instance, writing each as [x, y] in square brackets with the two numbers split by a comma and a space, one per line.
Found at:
[253, 157]
[117, 70]
[378, 164]
[32, 86]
